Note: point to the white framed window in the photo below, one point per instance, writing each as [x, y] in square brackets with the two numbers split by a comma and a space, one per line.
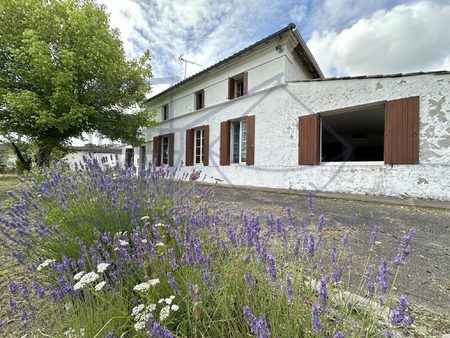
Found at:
[198, 146]
[239, 141]
[165, 150]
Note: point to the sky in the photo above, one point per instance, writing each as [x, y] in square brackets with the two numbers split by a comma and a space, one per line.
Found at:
[347, 37]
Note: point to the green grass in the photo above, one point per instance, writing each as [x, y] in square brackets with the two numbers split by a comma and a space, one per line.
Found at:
[7, 182]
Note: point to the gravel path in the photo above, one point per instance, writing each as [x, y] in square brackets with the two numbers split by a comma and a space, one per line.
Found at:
[426, 279]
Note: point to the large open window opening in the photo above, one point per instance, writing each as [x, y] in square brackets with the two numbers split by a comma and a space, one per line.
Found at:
[356, 134]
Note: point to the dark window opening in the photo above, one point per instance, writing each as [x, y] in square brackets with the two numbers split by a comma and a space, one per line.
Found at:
[356, 135]
[200, 99]
[129, 157]
[165, 112]
[239, 87]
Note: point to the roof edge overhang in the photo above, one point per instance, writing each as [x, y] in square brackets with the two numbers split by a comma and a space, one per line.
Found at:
[301, 50]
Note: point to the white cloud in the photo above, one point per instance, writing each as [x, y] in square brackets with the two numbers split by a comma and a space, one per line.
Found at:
[407, 38]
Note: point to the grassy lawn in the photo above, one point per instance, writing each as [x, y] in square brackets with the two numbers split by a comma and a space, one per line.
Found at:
[7, 182]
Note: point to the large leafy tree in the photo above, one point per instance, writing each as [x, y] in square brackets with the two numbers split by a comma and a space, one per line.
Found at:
[63, 71]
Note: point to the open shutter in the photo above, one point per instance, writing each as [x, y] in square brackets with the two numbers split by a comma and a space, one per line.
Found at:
[205, 145]
[250, 160]
[189, 147]
[225, 143]
[309, 139]
[401, 131]
[245, 83]
[171, 148]
[157, 151]
[230, 89]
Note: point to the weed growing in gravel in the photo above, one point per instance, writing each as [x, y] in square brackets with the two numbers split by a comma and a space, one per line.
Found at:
[111, 252]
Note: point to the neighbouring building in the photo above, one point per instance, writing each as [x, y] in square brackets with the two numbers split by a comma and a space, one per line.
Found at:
[105, 156]
[267, 117]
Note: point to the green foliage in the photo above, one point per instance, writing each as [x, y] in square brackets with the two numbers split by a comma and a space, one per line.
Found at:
[63, 72]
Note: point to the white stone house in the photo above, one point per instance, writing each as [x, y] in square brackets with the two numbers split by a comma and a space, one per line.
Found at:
[267, 117]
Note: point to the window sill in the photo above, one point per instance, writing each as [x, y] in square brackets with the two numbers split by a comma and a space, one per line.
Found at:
[352, 163]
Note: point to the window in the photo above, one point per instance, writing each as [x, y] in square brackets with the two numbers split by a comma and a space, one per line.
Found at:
[165, 112]
[163, 149]
[197, 144]
[200, 99]
[376, 132]
[237, 141]
[238, 85]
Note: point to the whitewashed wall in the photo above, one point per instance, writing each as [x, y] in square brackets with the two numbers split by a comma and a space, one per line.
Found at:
[276, 138]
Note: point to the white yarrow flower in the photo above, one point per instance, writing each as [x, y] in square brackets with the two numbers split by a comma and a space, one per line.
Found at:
[144, 241]
[102, 267]
[161, 300]
[123, 243]
[86, 279]
[157, 225]
[165, 312]
[142, 287]
[137, 309]
[144, 218]
[159, 244]
[45, 264]
[153, 282]
[79, 275]
[168, 301]
[100, 286]
[139, 325]
[150, 308]
[174, 307]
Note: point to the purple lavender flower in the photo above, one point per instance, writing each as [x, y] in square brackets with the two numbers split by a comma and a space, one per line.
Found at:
[316, 323]
[339, 335]
[173, 284]
[13, 287]
[321, 223]
[270, 267]
[323, 293]
[156, 330]
[398, 314]
[172, 259]
[258, 327]
[311, 245]
[289, 289]
[250, 283]
[345, 238]
[38, 289]
[374, 234]
[388, 333]
[12, 304]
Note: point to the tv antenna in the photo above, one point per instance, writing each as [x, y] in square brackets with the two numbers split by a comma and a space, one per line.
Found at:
[186, 61]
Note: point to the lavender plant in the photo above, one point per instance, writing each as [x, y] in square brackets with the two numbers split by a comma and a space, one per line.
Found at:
[109, 253]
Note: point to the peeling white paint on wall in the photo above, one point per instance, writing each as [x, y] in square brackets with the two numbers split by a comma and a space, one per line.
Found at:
[277, 105]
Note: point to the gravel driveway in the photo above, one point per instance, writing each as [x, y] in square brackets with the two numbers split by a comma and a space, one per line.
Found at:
[426, 279]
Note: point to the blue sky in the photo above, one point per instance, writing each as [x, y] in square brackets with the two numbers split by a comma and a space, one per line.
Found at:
[347, 37]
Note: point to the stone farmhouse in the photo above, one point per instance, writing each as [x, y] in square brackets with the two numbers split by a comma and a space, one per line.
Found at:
[267, 117]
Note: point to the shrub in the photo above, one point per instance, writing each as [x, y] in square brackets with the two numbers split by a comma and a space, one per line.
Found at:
[111, 252]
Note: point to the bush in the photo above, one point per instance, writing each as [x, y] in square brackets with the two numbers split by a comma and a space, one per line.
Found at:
[111, 252]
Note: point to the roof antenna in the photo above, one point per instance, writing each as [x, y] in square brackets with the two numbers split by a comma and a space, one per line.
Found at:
[186, 61]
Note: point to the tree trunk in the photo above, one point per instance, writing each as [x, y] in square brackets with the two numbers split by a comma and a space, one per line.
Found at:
[43, 155]
[25, 163]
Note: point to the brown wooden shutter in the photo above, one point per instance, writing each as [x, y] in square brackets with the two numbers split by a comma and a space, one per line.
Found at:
[171, 148]
[401, 131]
[189, 147]
[225, 143]
[245, 84]
[203, 99]
[205, 145]
[309, 139]
[250, 160]
[157, 151]
[230, 89]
